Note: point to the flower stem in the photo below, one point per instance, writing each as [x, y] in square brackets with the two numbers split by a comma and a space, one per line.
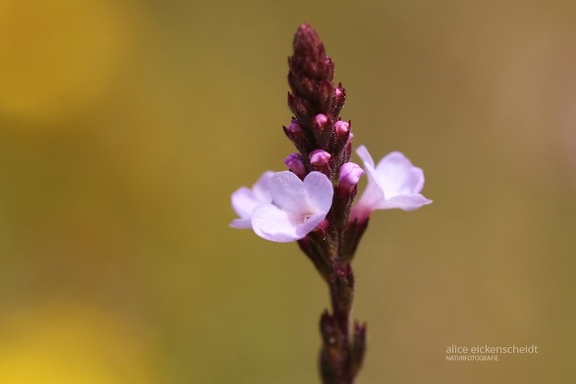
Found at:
[342, 352]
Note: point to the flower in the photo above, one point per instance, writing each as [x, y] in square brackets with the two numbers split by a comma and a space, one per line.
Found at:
[393, 183]
[297, 206]
[244, 200]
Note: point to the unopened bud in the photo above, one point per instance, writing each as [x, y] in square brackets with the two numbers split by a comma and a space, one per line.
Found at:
[319, 158]
[349, 175]
[296, 164]
[341, 127]
[294, 127]
[321, 121]
[339, 91]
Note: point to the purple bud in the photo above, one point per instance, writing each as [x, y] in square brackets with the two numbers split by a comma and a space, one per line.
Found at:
[319, 158]
[294, 127]
[349, 176]
[296, 164]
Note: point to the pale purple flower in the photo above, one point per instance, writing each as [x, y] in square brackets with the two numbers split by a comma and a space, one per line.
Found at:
[297, 206]
[393, 183]
[244, 200]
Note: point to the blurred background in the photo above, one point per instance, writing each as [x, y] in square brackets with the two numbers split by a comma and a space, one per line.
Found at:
[126, 125]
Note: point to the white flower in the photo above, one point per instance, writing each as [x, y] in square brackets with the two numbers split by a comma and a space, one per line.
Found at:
[295, 207]
[393, 183]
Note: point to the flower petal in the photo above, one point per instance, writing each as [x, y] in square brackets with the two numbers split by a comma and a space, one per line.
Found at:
[244, 200]
[309, 224]
[296, 209]
[363, 153]
[393, 183]
[397, 175]
[372, 196]
[274, 224]
[319, 192]
[241, 223]
[260, 188]
[288, 192]
[405, 202]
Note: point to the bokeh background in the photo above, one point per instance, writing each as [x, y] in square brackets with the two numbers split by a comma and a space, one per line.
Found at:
[125, 125]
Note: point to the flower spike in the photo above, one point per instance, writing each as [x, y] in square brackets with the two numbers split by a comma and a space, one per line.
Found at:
[313, 202]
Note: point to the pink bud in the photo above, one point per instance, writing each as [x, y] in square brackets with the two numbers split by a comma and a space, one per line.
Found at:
[321, 121]
[338, 91]
[341, 127]
[319, 158]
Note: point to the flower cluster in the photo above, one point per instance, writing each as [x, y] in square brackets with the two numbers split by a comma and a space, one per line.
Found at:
[313, 201]
[282, 207]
